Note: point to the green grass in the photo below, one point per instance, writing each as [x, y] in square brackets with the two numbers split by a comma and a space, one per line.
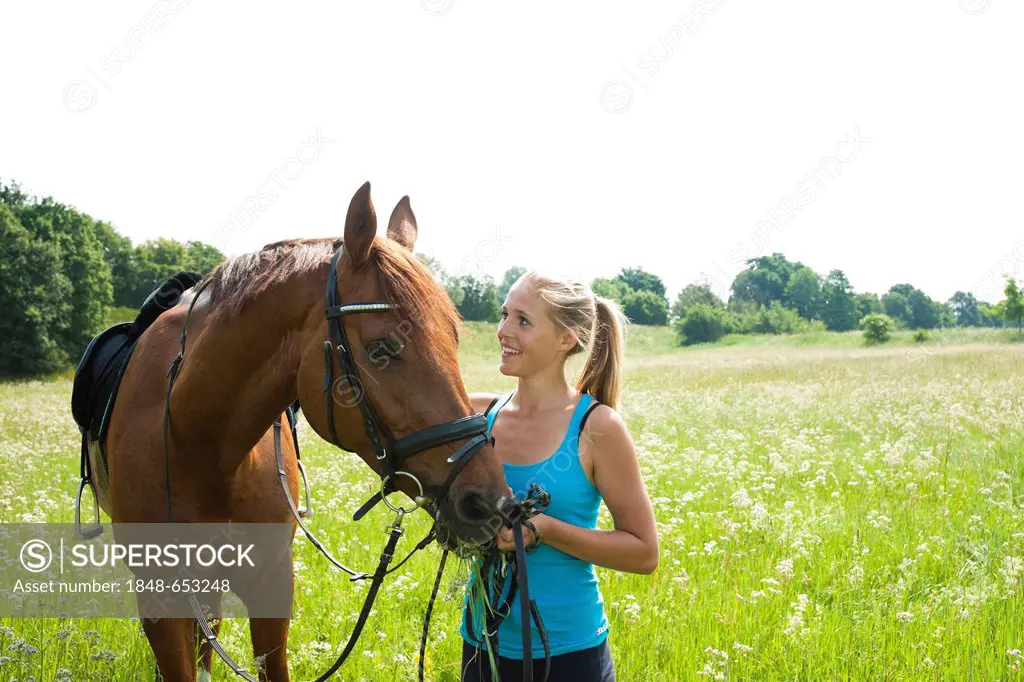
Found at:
[826, 511]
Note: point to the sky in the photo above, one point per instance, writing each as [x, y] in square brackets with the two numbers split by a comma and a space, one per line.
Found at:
[883, 139]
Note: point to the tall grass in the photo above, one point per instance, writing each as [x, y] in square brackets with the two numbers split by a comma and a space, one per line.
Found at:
[826, 512]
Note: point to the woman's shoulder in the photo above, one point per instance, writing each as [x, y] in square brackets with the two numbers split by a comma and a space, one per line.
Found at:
[481, 402]
[602, 420]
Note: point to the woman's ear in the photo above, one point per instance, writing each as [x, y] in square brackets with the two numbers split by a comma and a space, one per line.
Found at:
[567, 340]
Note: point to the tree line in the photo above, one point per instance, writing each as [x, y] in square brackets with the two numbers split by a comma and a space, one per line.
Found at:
[62, 271]
[772, 295]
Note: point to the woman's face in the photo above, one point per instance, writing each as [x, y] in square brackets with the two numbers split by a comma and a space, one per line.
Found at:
[530, 340]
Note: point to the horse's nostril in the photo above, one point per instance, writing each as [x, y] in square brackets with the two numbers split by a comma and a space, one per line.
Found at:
[472, 507]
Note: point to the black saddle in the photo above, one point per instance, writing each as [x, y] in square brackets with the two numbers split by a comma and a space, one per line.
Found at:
[106, 357]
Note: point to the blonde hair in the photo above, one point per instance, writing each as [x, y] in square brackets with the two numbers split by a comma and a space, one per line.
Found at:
[598, 324]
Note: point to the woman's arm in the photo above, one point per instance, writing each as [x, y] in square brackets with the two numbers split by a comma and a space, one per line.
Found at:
[633, 545]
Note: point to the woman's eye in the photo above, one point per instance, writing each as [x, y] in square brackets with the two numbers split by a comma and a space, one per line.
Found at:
[523, 320]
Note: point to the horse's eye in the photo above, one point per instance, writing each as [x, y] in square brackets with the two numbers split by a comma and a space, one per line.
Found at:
[384, 350]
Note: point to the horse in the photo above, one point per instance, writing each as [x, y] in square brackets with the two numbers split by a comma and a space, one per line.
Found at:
[256, 333]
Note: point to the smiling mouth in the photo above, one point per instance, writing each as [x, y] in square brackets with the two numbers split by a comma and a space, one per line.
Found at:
[507, 352]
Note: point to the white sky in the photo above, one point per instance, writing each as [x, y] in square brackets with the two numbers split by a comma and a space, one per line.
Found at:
[548, 124]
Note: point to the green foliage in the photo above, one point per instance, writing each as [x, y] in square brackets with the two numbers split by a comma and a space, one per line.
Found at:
[966, 310]
[1013, 306]
[803, 293]
[35, 297]
[58, 306]
[745, 317]
[877, 328]
[510, 277]
[868, 303]
[991, 315]
[693, 295]
[920, 336]
[638, 279]
[765, 279]
[610, 288]
[702, 323]
[479, 299]
[645, 307]
[201, 258]
[81, 262]
[911, 307]
[839, 308]
[118, 253]
[778, 319]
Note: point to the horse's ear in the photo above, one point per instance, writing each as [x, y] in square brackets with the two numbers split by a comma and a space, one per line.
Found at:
[360, 227]
[402, 226]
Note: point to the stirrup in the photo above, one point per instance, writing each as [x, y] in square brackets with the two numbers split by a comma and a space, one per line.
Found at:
[91, 530]
[305, 512]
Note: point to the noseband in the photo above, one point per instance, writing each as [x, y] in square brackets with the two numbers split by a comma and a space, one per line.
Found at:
[389, 451]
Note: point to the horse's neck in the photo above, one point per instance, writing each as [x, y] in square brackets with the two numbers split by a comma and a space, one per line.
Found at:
[239, 372]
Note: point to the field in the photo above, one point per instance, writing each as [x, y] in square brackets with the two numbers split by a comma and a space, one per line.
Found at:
[827, 512]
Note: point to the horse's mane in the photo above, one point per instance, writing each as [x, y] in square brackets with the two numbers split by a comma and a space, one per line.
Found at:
[407, 282]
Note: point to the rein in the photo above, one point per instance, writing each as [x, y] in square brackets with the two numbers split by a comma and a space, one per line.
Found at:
[390, 454]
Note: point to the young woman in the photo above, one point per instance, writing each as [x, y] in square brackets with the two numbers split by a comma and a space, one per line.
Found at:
[544, 320]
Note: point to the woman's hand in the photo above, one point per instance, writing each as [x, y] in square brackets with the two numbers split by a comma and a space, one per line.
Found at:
[505, 541]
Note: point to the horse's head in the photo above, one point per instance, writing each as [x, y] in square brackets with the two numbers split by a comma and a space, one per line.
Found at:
[406, 362]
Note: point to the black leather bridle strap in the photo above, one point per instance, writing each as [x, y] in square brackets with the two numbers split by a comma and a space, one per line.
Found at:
[378, 578]
[439, 434]
[524, 602]
[459, 459]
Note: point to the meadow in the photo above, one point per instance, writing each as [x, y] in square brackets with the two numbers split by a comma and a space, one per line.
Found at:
[827, 511]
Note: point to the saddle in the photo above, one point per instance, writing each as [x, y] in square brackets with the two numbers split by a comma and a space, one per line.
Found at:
[98, 378]
[106, 357]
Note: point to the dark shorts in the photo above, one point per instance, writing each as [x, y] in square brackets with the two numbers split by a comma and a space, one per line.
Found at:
[587, 665]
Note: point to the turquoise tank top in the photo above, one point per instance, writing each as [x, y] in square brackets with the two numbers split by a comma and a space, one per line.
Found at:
[565, 588]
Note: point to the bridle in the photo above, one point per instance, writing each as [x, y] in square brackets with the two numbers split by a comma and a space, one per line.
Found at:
[390, 454]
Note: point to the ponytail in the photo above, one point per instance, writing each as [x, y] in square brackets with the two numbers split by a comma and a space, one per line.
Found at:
[602, 373]
[598, 324]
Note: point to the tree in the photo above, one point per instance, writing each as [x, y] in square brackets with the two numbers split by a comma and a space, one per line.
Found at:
[645, 307]
[913, 308]
[479, 298]
[451, 285]
[81, 261]
[965, 309]
[702, 323]
[35, 297]
[153, 261]
[201, 258]
[778, 319]
[991, 315]
[839, 309]
[510, 277]
[1013, 306]
[765, 279]
[693, 295]
[868, 304]
[877, 328]
[610, 288]
[803, 293]
[639, 279]
[926, 312]
[117, 251]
